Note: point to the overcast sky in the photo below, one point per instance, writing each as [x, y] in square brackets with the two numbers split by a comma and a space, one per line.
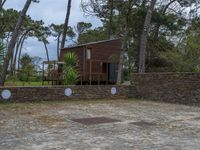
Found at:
[50, 11]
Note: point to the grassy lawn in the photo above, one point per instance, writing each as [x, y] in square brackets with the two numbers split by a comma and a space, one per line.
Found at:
[20, 83]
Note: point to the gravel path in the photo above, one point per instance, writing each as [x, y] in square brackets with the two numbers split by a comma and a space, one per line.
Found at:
[143, 125]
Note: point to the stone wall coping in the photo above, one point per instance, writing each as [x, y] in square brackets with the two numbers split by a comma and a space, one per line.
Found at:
[167, 73]
[3, 87]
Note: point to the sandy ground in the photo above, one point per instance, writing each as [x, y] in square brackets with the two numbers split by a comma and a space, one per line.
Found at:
[143, 125]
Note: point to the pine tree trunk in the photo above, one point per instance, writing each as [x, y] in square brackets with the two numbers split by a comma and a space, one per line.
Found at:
[12, 59]
[46, 49]
[0, 5]
[7, 40]
[143, 42]
[10, 67]
[2, 2]
[13, 40]
[58, 47]
[66, 24]
[157, 27]
[121, 61]
[110, 19]
[15, 56]
[20, 51]
[124, 45]
[17, 50]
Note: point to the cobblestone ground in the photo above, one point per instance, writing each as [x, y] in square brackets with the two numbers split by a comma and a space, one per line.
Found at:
[144, 125]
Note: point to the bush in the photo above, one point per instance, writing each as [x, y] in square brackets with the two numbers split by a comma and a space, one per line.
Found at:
[27, 68]
[70, 68]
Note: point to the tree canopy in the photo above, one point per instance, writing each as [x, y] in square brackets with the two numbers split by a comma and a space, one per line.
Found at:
[172, 40]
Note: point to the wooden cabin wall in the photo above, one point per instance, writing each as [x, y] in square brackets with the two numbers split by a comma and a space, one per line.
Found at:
[102, 51]
[100, 57]
[80, 54]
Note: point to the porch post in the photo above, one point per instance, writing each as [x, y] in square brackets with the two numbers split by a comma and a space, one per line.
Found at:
[90, 72]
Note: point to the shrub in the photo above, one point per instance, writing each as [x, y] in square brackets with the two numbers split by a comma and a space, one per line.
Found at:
[70, 68]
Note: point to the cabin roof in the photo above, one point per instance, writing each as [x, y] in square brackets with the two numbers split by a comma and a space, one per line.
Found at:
[90, 43]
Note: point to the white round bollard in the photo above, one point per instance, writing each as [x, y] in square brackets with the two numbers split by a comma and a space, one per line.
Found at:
[68, 92]
[113, 90]
[6, 94]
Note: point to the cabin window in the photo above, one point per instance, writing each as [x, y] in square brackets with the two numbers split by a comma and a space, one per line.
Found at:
[88, 53]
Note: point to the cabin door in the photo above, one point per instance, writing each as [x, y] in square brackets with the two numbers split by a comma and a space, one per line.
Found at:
[112, 72]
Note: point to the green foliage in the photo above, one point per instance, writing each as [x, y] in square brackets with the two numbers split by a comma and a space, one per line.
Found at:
[70, 59]
[169, 24]
[71, 76]
[21, 83]
[83, 27]
[57, 31]
[70, 32]
[186, 58]
[179, 61]
[70, 68]
[97, 34]
[27, 70]
[173, 41]
[8, 20]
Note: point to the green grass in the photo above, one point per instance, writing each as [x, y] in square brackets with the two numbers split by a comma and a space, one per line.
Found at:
[20, 83]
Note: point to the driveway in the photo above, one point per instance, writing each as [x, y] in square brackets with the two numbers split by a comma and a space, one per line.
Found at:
[99, 124]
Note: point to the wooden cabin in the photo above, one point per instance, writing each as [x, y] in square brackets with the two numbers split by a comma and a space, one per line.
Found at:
[98, 61]
[52, 72]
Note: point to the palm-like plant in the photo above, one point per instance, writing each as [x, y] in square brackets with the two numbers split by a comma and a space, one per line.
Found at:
[70, 68]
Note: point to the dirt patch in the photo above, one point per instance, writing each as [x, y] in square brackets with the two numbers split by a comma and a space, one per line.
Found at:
[144, 124]
[197, 118]
[95, 120]
[49, 120]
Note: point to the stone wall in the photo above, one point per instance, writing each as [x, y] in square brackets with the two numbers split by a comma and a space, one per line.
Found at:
[29, 94]
[181, 88]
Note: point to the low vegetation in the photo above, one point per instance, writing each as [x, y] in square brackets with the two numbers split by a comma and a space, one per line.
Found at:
[70, 68]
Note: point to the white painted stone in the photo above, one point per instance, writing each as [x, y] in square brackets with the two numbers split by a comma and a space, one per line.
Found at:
[6, 94]
[113, 90]
[68, 92]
